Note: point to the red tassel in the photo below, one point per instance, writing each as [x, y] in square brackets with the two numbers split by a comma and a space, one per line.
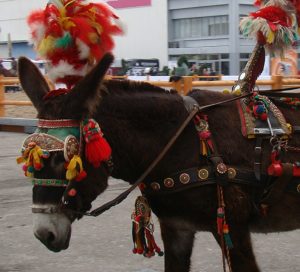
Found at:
[97, 148]
[97, 151]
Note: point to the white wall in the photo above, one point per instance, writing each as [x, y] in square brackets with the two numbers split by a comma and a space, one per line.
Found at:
[13, 14]
[147, 32]
[146, 35]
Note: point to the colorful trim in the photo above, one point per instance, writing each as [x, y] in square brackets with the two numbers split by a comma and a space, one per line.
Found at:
[42, 123]
[50, 182]
[248, 120]
[45, 142]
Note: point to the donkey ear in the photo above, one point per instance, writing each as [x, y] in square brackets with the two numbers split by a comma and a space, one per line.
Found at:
[82, 97]
[32, 81]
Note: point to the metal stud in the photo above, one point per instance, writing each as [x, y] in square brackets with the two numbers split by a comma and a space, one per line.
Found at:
[231, 173]
[169, 182]
[155, 186]
[221, 168]
[184, 178]
[203, 174]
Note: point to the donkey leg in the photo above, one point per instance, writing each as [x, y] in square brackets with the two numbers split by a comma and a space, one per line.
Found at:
[242, 257]
[178, 245]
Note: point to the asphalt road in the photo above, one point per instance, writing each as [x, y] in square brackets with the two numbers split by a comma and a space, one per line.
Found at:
[104, 243]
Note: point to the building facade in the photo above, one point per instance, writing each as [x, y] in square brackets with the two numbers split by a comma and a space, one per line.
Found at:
[206, 31]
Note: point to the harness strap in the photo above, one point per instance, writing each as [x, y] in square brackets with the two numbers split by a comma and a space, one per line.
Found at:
[257, 157]
[189, 103]
[280, 94]
[278, 90]
[220, 169]
[196, 177]
[296, 129]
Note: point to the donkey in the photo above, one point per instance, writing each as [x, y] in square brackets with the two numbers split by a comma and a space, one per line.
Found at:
[138, 120]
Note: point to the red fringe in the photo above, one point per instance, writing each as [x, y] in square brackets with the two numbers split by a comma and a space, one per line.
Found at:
[97, 150]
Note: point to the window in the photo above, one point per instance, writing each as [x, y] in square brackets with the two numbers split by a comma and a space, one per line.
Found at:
[217, 63]
[225, 67]
[201, 27]
[244, 57]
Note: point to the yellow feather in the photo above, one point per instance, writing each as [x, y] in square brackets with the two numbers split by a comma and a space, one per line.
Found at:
[46, 46]
[270, 37]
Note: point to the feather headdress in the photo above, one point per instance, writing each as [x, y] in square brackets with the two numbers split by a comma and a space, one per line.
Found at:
[72, 35]
[275, 24]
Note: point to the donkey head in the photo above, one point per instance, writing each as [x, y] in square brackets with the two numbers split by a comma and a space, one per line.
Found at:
[54, 209]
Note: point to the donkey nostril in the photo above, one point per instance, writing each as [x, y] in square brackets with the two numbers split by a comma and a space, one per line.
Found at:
[45, 236]
[51, 237]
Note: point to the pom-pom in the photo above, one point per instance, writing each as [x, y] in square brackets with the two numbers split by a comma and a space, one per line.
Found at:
[72, 192]
[259, 109]
[82, 175]
[264, 116]
[73, 35]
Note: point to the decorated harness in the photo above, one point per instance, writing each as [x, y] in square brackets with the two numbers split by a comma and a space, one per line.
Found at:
[74, 139]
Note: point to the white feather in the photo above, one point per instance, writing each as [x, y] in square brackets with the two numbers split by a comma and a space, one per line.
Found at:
[84, 50]
[63, 69]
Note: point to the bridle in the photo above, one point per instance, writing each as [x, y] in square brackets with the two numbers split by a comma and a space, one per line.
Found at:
[64, 136]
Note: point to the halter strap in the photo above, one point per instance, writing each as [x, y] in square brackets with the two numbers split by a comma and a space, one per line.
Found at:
[50, 182]
[42, 123]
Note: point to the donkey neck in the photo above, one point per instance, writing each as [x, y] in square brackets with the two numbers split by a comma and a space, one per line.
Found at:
[138, 120]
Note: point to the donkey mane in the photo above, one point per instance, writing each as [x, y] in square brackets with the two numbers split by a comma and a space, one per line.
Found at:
[140, 101]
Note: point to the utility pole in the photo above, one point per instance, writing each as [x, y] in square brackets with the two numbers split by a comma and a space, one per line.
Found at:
[9, 45]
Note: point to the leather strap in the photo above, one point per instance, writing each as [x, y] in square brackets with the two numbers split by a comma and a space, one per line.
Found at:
[257, 157]
[296, 129]
[262, 92]
[280, 94]
[189, 103]
[197, 177]
[220, 169]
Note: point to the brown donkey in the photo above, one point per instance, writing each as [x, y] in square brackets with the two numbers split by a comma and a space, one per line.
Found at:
[138, 120]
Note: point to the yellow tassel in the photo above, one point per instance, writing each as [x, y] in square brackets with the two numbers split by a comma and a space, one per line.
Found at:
[32, 158]
[74, 168]
[46, 46]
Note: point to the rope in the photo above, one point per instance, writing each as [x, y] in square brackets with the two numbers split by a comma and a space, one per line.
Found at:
[224, 247]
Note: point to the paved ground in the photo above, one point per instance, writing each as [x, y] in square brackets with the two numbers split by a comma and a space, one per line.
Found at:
[104, 243]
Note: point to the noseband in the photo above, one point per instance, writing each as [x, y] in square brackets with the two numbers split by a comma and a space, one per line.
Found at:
[65, 136]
